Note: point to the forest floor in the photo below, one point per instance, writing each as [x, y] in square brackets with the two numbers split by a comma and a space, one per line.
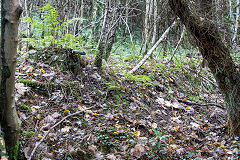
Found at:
[157, 113]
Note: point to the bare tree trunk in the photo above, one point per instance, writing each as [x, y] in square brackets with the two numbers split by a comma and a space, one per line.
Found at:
[147, 29]
[127, 16]
[26, 15]
[155, 21]
[74, 16]
[10, 13]
[109, 26]
[236, 24]
[103, 37]
[218, 57]
[230, 8]
[81, 16]
[94, 18]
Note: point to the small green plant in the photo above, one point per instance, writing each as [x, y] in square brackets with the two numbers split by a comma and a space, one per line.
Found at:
[25, 107]
[48, 31]
[157, 142]
[50, 21]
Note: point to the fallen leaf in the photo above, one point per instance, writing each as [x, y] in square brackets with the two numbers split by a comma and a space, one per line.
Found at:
[137, 151]
[195, 126]
[111, 157]
[38, 116]
[154, 125]
[82, 107]
[96, 114]
[92, 148]
[177, 105]
[137, 133]
[65, 111]
[174, 146]
[160, 101]
[43, 71]
[168, 104]
[65, 130]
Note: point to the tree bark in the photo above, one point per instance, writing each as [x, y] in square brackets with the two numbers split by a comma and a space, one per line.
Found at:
[108, 32]
[155, 21]
[10, 13]
[94, 17]
[218, 57]
[236, 24]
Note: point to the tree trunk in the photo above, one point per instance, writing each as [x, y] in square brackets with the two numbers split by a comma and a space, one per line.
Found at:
[218, 57]
[147, 23]
[81, 16]
[94, 17]
[155, 21]
[236, 24]
[108, 32]
[10, 13]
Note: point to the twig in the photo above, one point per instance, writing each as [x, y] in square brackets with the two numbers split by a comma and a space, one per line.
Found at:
[128, 31]
[45, 135]
[199, 104]
[180, 40]
[153, 48]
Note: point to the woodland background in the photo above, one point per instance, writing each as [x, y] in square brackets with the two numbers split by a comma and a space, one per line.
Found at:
[81, 92]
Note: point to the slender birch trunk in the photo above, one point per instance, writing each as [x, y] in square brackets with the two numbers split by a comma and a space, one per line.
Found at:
[155, 21]
[236, 24]
[94, 17]
[81, 16]
[108, 32]
[146, 26]
[10, 13]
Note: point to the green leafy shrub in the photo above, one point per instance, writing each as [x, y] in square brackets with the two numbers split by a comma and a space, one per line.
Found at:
[48, 31]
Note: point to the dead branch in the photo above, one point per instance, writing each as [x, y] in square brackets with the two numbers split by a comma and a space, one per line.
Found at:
[153, 48]
[45, 135]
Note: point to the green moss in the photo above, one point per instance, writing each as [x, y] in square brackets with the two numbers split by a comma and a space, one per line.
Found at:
[13, 152]
[31, 83]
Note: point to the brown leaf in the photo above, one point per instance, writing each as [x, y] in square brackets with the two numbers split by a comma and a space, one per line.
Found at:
[111, 157]
[92, 148]
[137, 151]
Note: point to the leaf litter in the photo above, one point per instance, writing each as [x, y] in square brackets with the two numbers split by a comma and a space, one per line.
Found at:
[128, 119]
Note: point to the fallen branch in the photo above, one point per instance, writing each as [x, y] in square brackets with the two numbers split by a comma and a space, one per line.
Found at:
[153, 48]
[200, 104]
[45, 135]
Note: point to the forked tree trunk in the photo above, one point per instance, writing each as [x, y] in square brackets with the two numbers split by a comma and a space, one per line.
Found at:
[218, 57]
[108, 31]
[10, 14]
